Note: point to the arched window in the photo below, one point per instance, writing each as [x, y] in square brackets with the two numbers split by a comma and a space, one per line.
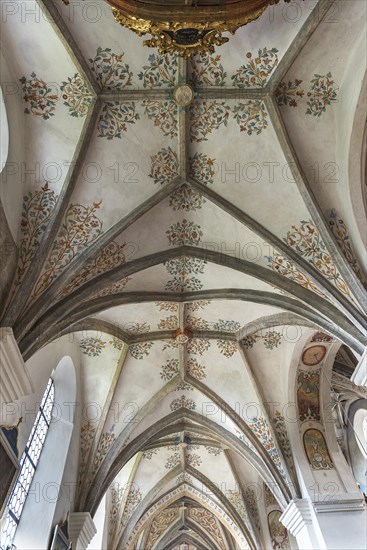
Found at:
[28, 465]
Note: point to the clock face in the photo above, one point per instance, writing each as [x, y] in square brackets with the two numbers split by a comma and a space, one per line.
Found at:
[313, 355]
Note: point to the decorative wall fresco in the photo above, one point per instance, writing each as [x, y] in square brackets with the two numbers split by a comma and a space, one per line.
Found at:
[197, 346]
[163, 114]
[183, 402]
[216, 451]
[110, 71]
[251, 499]
[313, 355]
[270, 499]
[316, 450]
[114, 288]
[38, 207]
[198, 305]
[261, 429]
[280, 264]
[271, 339]
[168, 306]
[196, 369]
[321, 337]
[283, 439]
[206, 70]
[170, 369]
[76, 96]
[106, 441]
[187, 199]
[251, 116]
[79, 229]
[256, 71]
[278, 533]
[227, 347]
[92, 346]
[140, 350]
[193, 460]
[183, 271]
[197, 323]
[202, 168]
[168, 323]
[41, 98]
[161, 71]
[164, 166]
[87, 435]
[114, 117]
[207, 520]
[205, 117]
[236, 500]
[308, 395]
[342, 237]
[116, 493]
[323, 91]
[173, 460]
[160, 524]
[133, 499]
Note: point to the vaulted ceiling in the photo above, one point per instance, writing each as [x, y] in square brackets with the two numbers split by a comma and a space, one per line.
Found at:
[188, 250]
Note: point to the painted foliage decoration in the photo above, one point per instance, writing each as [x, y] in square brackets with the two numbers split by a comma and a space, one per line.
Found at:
[114, 118]
[163, 114]
[227, 326]
[196, 369]
[183, 402]
[41, 98]
[197, 323]
[76, 96]
[202, 168]
[116, 493]
[187, 199]
[170, 369]
[87, 435]
[110, 70]
[184, 271]
[342, 237]
[251, 499]
[37, 210]
[161, 71]
[308, 395]
[227, 347]
[168, 323]
[271, 339]
[168, 306]
[92, 346]
[197, 346]
[286, 268]
[206, 70]
[323, 91]
[173, 461]
[256, 71]
[278, 533]
[261, 429]
[207, 520]
[193, 460]
[282, 435]
[184, 233]
[251, 116]
[164, 166]
[110, 256]
[235, 499]
[207, 116]
[316, 450]
[114, 288]
[140, 350]
[104, 445]
[148, 455]
[216, 451]
[79, 229]
[160, 524]
[198, 305]
[270, 499]
[133, 499]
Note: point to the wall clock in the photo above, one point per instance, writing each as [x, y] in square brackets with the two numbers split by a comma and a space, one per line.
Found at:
[313, 355]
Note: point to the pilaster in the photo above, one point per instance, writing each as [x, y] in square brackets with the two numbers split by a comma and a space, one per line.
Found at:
[81, 529]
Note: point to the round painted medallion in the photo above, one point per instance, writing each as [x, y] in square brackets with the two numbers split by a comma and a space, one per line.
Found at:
[313, 355]
[183, 94]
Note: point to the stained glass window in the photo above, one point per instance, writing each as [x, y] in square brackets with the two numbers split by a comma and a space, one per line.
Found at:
[28, 465]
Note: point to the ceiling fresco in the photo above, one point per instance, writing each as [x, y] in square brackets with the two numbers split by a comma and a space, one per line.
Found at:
[184, 254]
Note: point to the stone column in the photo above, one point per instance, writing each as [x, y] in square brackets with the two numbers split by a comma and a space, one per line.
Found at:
[81, 530]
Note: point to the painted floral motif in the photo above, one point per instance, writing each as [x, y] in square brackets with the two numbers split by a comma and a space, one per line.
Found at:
[183, 478]
[136, 328]
[284, 267]
[256, 71]
[116, 343]
[76, 96]
[321, 337]
[246, 441]
[134, 497]
[227, 347]
[193, 460]
[116, 500]
[251, 499]
[187, 199]
[163, 114]
[114, 288]
[140, 350]
[172, 461]
[41, 98]
[209, 523]
[228, 326]
[198, 305]
[216, 451]
[80, 228]
[261, 429]
[104, 445]
[167, 306]
[196, 369]
[207, 116]
[206, 70]
[235, 499]
[164, 166]
[184, 402]
[278, 533]
[197, 346]
[148, 455]
[341, 235]
[87, 434]
[197, 323]
[111, 73]
[161, 71]
[202, 168]
[37, 210]
[251, 116]
[169, 370]
[184, 386]
[184, 233]
[159, 525]
[183, 270]
[92, 346]
[111, 255]
[323, 92]
[270, 499]
[307, 242]
[114, 117]
[288, 93]
[282, 435]
[169, 323]
[308, 395]
[316, 450]
[271, 339]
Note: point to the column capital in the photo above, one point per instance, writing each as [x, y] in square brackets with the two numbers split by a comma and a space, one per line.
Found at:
[81, 529]
[297, 514]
